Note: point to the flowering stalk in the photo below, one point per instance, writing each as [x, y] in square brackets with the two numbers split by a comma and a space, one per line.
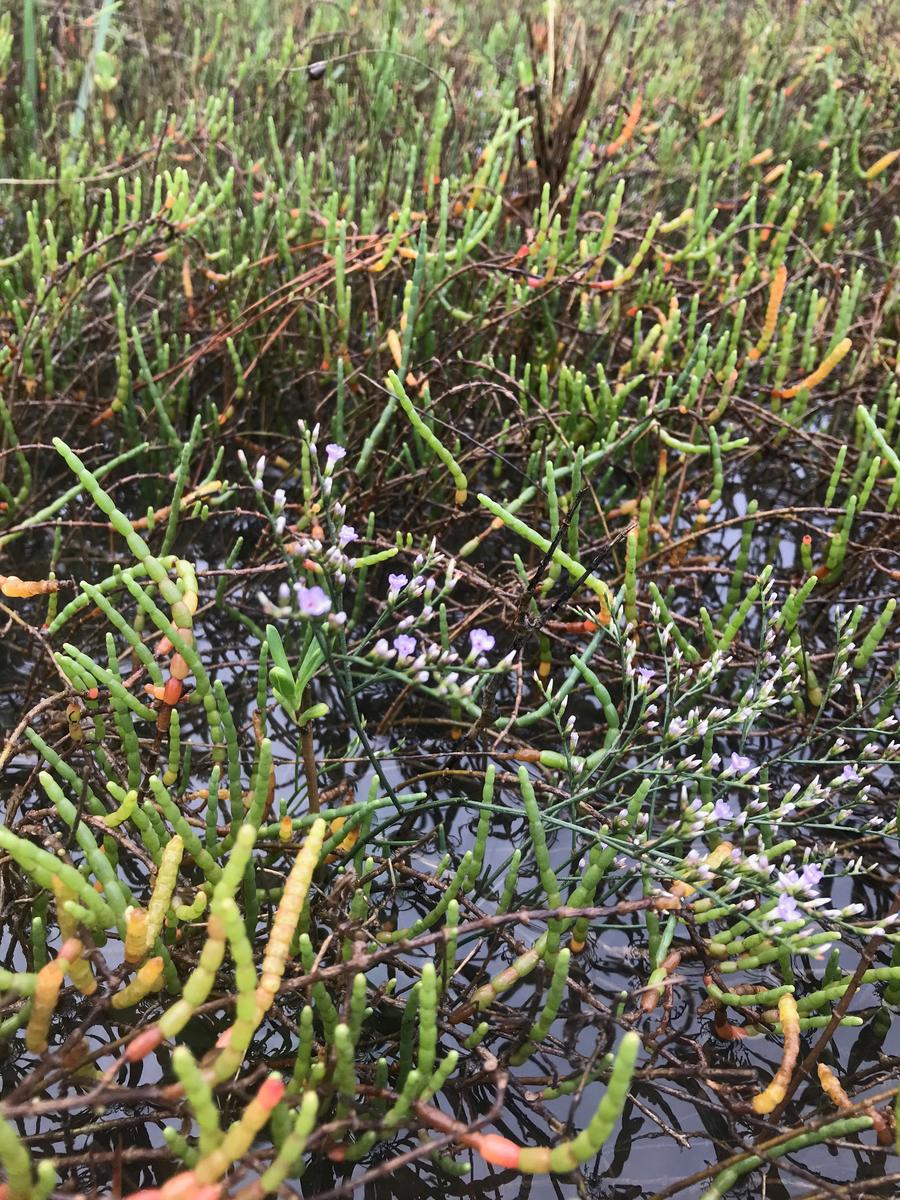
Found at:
[575, 568]
[182, 599]
[161, 896]
[776, 293]
[628, 128]
[451, 891]
[147, 979]
[296, 889]
[555, 994]
[427, 436]
[12, 585]
[880, 165]
[726, 1179]
[196, 990]
[80, 969]
[769, 1099]
[42, 866]
[534, 1160]
[234, 1041]
[820, 374]
[832, 1088]
[199, 1096]
[239, 1137]
[46, 993]
[135, 934]
[657, 980]
[21, 1182]
[103, 869]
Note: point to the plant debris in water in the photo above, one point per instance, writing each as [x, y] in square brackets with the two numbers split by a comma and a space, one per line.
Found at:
[450, 528]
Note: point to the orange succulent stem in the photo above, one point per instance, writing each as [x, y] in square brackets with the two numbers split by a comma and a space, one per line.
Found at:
[627, 131]
[776, 293]
[820, 374]
[769, 1099]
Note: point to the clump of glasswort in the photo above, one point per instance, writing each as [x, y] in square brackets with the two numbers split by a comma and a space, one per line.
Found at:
[443, 568]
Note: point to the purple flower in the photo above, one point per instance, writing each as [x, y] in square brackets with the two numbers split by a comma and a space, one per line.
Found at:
[346, 535]
[787, 909]
[405, 646]
[397, 583]
[645, 675]
[739, 763]
[333, 454]
[810, 877]
[722, 811]
[849, 775]
[481, 641]
[313, 602]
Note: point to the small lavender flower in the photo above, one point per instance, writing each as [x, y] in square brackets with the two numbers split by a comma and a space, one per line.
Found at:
[346, 535]
[481, 641]
[333, 454]
[788, 881]
[810, 878]
[723, 811]
[849, 776]
[396, 584]
[405, 646]
[787, 909]
[759, 864]
[312, 602]
[645, 676]
[739, 763]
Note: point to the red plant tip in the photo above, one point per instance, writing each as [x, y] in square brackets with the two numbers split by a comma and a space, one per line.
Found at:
[224, 1038]
[807, 539]
[271, 1091]
[194, 1190]
[497, 1150]
[172, 691]
[70, 949]
[183, 1186]
[145, 1041]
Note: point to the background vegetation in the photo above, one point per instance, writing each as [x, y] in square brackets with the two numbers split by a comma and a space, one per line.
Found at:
[449, 506]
